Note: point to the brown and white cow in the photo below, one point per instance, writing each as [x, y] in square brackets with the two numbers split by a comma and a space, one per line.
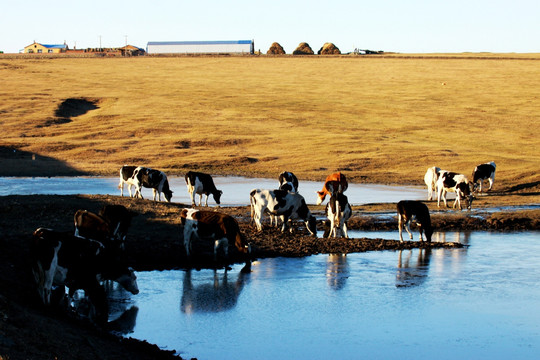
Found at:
[285, 204]
[288, 181]
[338, 211]
[153, 179]
[334, 183]
[64, 260]
[430, 179]
[453, 182]
[109, 226]
[202, 184]
[126, 176]
[484, 172]
[221, 228]
[409, 210]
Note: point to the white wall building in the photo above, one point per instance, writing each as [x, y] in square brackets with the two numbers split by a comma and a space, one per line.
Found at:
[201, 47]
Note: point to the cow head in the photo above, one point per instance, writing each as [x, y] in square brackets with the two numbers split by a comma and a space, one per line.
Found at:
[217, 196]
[168, 194]
[128, 280]
[429, 232]
[321, 195]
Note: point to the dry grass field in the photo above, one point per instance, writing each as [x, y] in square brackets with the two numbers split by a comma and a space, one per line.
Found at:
[377, 119]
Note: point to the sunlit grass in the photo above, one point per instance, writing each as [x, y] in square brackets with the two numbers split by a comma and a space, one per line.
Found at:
[376, 119]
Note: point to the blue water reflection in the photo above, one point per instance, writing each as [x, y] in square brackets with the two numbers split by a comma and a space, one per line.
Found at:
[475, 302]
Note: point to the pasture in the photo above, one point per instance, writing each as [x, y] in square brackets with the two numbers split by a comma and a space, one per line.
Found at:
[377, 119]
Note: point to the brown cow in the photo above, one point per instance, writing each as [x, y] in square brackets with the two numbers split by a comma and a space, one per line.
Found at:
[335, 183]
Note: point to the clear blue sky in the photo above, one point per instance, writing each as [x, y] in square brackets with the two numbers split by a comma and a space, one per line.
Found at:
[406, 26]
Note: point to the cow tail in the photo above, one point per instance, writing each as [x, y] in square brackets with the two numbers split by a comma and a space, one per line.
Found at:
[252, 204]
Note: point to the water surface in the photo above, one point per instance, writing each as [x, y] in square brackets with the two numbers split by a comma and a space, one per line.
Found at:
[479, 302]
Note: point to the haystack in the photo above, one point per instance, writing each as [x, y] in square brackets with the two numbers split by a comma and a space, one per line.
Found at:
[303, 49]
[329, 49]
[275, 49]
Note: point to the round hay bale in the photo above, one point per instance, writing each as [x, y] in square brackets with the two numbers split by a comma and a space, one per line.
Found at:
[303, 49]
[276, 49]
[329, 49]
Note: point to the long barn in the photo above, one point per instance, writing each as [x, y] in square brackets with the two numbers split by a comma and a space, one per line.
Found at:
[201, 47]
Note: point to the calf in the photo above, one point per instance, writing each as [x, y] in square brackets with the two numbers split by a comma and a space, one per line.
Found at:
[60, 259]
[336, 182]
[221, 228]
[430, 178]
[153, 179]
[458, 183]
[338, 211]
[288, 181]
[126, 176]
[202, 184]
[484, 172]
[284, 204]
[407, 211]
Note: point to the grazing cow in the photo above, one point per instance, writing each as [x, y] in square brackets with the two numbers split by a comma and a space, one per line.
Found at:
[201, 183]
[61, 259]
[336, 182]
[453, 182]
[153, 179]
[338, 211]
[126, 176]
[284, 204]
[288, 181]
[221, 228]
[484, 172]
[109, 227]
[430, 178]
[407, 211]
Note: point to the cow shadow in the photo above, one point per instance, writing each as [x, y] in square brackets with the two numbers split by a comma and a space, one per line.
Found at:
[217, 296]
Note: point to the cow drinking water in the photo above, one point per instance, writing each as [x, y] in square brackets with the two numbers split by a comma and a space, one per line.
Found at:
[409, 210]
[153, 179]
[453, 182]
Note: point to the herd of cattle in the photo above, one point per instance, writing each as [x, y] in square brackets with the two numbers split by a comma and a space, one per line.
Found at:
[95, 252]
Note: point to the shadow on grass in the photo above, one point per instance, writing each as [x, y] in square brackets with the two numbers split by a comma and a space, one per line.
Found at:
[14, 162]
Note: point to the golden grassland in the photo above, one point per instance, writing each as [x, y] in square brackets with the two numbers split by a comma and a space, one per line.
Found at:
[377, 119]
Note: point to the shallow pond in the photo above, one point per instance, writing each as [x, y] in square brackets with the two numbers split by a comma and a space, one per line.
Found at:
[479, 302]
[235, 189]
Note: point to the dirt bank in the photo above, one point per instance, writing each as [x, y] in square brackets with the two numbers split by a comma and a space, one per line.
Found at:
[28, 331]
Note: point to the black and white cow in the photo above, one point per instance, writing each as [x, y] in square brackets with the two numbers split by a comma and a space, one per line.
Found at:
[221, 228]
[409, 210]
[60, 259]
[484, 172]
[430, 179]
[202, 184]
[153, 179]
[453, 182]
[288, 181]
[126, 176]
[338, 211]
[285, 204]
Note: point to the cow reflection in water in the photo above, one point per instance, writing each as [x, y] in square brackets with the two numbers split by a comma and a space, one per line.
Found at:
[214, 297]
[411, 273]
[337, 271]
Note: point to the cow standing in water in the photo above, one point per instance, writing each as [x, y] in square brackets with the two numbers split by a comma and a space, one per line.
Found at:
[202, 184]
[407, 211]
[484, 172]
[153, 179]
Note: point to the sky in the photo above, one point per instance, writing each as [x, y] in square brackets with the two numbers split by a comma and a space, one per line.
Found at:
[404, 26]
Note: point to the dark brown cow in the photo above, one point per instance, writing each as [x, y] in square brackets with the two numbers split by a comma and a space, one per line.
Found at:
[409, 209]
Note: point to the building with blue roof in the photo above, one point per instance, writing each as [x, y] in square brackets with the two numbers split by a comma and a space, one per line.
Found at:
[37, 48]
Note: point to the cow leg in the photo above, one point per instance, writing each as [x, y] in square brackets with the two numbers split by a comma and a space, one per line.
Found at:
[408, 228]
[344, 230]
[400, 227]
[206, 200]
[121, 187]
[223, 242]
[421, 230]
[98, 299]
[200, 199]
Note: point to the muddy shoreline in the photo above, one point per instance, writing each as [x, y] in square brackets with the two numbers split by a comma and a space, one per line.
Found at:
[28, 331]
